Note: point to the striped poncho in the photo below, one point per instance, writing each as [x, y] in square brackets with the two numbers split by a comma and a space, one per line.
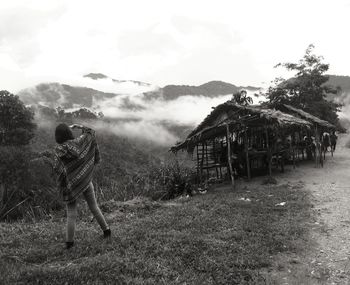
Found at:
[74, 162]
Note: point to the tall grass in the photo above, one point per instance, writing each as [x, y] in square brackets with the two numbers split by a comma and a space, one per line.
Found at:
[162, 181]
[211, 239]
[28, 189]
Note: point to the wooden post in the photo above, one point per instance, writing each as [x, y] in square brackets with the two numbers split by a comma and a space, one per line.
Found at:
[198, 172]
[207, 159]
[215, 159]
[332, 150]
[293, 153]
[202, 161]
[269, 156]
[246, 153]
[317, 147]
[229, 155]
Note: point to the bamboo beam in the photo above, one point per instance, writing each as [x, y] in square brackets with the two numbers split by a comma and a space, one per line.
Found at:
[229, 155]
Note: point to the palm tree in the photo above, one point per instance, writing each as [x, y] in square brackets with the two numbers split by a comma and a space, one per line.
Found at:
[241, 98]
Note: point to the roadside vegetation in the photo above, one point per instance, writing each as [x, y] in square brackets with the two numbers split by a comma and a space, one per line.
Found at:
[222, 237]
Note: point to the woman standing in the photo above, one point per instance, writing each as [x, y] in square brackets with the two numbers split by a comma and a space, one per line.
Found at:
[73, 161]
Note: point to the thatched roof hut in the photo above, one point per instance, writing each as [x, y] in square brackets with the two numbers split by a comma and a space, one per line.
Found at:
[237, 117]
[306, 116]
[241, 140]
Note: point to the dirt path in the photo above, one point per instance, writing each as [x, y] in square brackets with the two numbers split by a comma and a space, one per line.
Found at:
[329, 260]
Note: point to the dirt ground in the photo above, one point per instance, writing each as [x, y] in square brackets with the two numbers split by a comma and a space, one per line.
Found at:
[328, 260]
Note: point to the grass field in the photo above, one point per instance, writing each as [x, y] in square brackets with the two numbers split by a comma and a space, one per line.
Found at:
[221, 237]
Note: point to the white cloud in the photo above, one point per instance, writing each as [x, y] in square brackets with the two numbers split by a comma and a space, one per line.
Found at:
[141, 130]
[166, 42]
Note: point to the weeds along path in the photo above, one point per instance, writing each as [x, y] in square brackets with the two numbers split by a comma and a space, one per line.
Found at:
[257, 234]
[221, 237]
[329, 260]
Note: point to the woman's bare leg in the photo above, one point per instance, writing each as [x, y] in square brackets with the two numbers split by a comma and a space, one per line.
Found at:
[71, 220]
[90, 198]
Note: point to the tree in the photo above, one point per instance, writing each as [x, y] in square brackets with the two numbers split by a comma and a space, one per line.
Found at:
[16, 120]
[241, 98]
[16, 131]
[307, 90]
[84, 114]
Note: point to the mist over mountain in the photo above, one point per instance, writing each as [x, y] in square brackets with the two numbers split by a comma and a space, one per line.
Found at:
[141, 110]
[209, 89]
[134, 109]
[62, 95]
[343, 97]
[342, 81]
[96, 76]
[66, 95]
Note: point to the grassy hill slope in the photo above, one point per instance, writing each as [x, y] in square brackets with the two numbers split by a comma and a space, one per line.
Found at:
[216, 238]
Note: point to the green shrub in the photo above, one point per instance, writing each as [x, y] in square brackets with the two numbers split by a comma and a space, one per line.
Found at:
[170, 180]
[27, 188]
[15, 180]
[160, 181]
[45, 195]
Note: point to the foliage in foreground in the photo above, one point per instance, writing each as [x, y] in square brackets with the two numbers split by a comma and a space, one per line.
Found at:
[27, 188]
[216, 238]
[161, 181]
[16, 120]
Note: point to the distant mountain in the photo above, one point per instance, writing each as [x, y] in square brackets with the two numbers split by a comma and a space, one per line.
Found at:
[209, 89]
[56, 94]
[342, 97]
[63, 95]
[96, 76]
[342, 81]
[90, 91]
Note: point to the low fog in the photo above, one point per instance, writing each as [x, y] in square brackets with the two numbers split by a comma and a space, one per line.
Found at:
[129, 112]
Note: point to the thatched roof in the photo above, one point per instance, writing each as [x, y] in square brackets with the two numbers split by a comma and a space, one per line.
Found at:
[304, 115]
[237, 117]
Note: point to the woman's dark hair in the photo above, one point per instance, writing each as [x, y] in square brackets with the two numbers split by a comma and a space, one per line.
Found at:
[63, 133]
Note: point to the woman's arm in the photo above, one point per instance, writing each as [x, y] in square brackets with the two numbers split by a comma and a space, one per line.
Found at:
[89, 132]
[83, 128]
[76, 126]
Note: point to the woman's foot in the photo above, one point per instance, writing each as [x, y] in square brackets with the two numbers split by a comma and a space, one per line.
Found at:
[69, 244]
[107, 233]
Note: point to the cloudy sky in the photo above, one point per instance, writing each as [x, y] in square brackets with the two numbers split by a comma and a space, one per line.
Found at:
[167, 42]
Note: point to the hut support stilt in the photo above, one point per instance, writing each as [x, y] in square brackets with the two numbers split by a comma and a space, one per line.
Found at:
[317, 149]
[207, 159]
[229, 155]
[246, 153]
[269, 154]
